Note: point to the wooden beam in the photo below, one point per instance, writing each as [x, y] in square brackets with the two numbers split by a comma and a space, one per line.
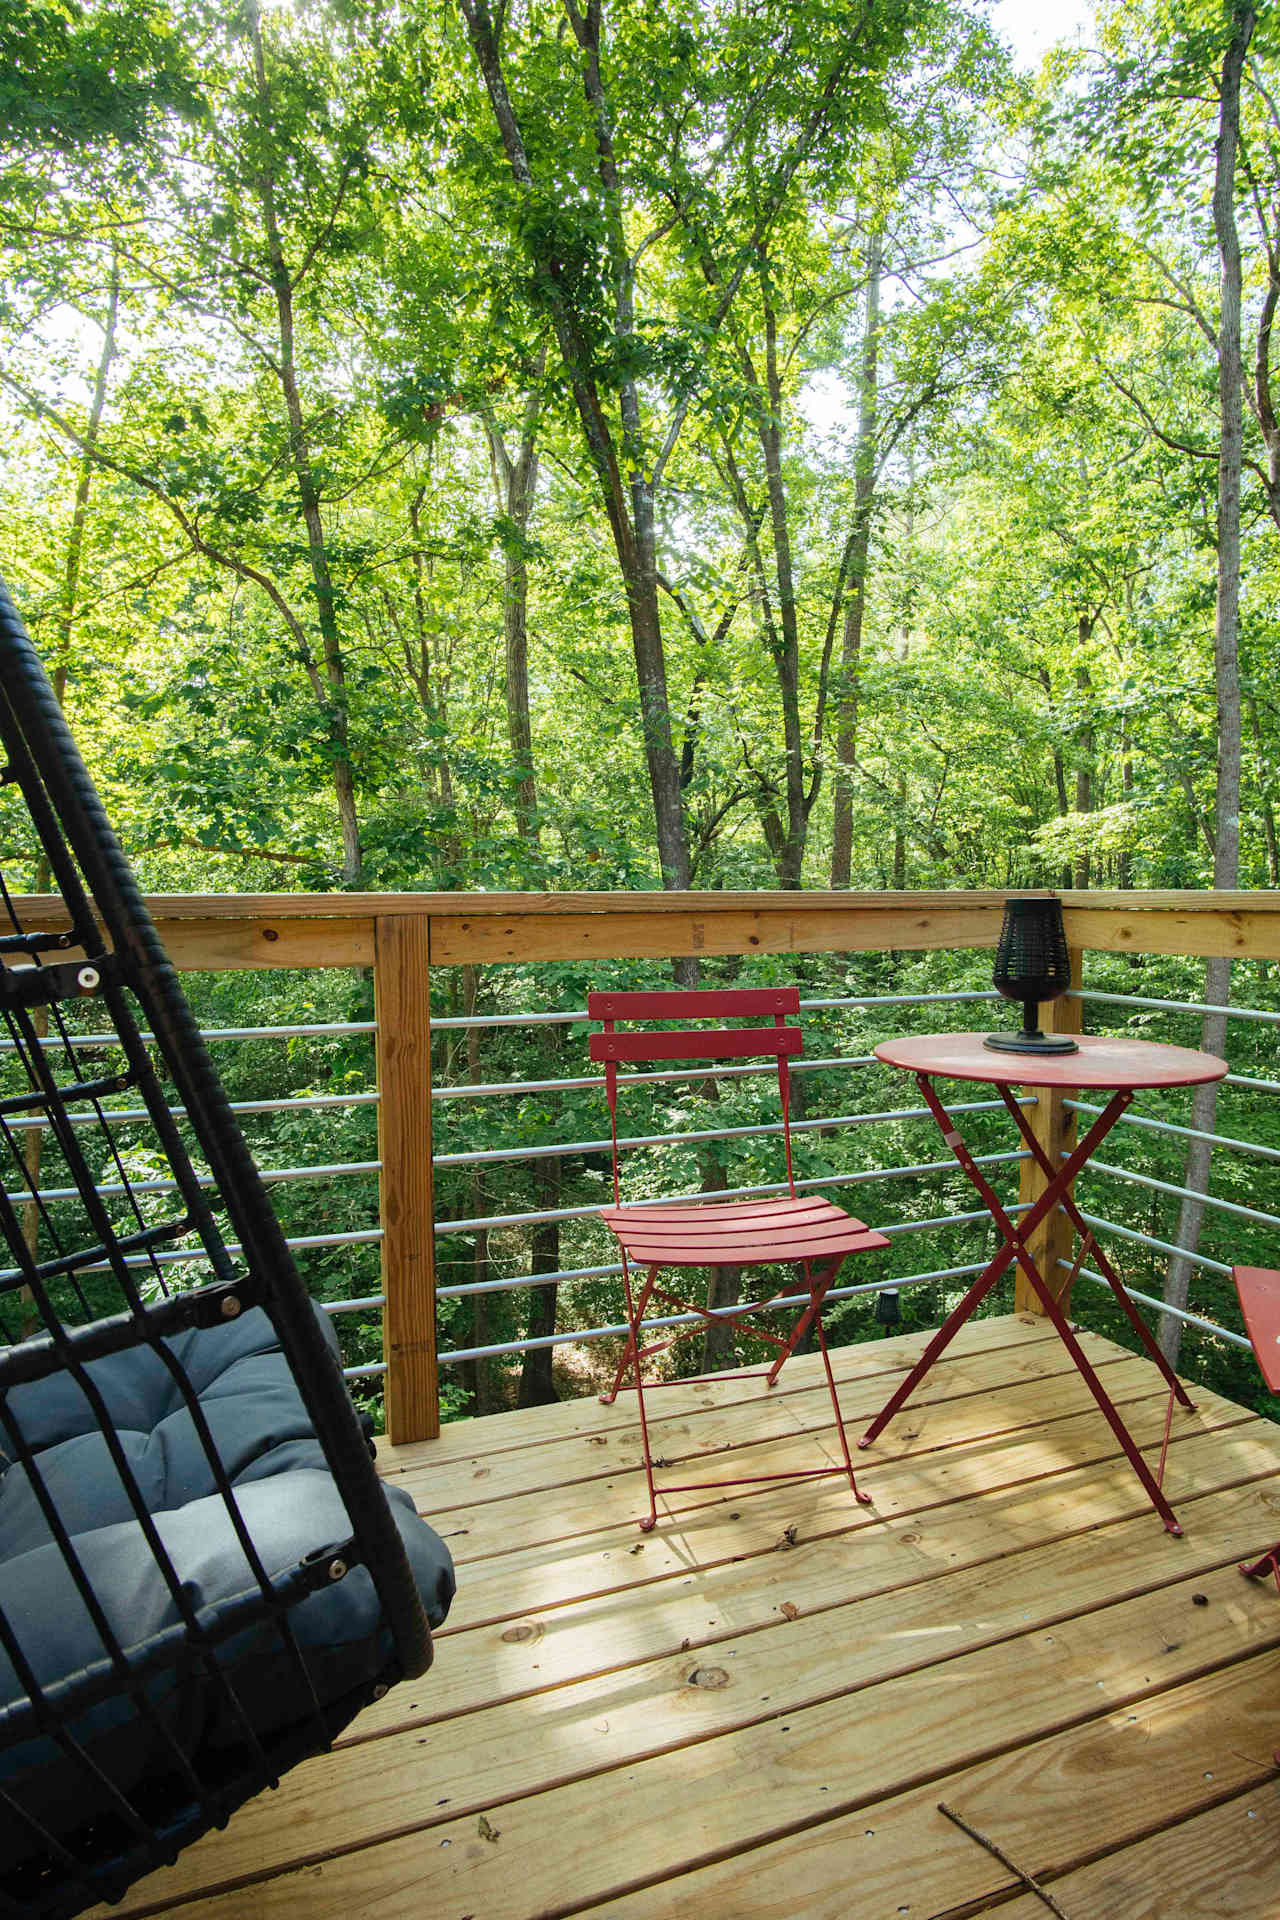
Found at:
[349, 906]
[656, 933]
[1264, 900]
[240, 945]
[1055, 1130]
[236, 931]
[406, 1203]
[1204, 929]
[194, 945]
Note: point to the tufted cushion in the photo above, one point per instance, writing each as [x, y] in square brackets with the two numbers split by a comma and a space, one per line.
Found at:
[286, 1499]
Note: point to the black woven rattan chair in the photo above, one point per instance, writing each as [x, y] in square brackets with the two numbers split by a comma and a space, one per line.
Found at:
[202, 1578]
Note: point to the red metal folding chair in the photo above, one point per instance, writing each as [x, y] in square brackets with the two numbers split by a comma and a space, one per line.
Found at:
[809, 1231]
[1259, 1291]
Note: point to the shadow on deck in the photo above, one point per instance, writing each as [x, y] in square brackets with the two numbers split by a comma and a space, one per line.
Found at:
[755, 1711]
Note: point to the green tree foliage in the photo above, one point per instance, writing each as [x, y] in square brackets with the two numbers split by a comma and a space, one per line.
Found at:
[864, 396]
[589, 445]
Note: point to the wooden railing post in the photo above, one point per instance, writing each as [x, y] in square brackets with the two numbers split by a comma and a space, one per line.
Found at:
[1055, 1129]
[403, 1011]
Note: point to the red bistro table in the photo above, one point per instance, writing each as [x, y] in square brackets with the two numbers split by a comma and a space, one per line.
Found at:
[1123, 1066]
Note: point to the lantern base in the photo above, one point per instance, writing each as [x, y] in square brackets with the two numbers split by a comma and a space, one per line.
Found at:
[1035, 1042]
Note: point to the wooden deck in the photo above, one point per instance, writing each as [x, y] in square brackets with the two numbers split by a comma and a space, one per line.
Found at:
[756, 1710]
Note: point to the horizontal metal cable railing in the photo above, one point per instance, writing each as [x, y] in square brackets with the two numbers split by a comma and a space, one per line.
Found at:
[1251, 1147]
[667, 1321]
[1162, 1306]
[760, 1191]
[1102, 1225]
[1264, 1014]
[515, 1088]
[828, 1124]
[768, 1130]
[1213, 1200]
[530, 1217]
[1136, 1124]
[522, 1220]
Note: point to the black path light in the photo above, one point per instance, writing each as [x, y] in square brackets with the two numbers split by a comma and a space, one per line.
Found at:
[1032, 964]
[888, 1307]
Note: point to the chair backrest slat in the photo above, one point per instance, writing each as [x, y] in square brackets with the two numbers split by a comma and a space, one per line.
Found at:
[777, 1042]
[714, 1043]
[702, 1004]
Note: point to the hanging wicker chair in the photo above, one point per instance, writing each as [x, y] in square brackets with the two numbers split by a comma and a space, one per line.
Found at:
[202, 1578]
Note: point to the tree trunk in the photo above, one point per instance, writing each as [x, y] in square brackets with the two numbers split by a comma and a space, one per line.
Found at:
[1084, 769]
[537, 1388]
[640, 575]
[724, 1289]
[515, 486]
[900, 837]
[1265, 805]
[1226, 856]
[1059, 777]
[629, 504]
[1124, 860]
[786, 650]
[479, 1373]
[332, 685]
[855, 606]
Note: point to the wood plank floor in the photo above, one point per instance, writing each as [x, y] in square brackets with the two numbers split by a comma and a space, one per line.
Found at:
[756, 1710]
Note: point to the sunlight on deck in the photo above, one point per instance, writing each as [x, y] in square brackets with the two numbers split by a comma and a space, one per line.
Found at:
[755, 1710]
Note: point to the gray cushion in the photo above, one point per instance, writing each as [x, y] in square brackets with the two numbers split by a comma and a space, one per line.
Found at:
[287, 1501]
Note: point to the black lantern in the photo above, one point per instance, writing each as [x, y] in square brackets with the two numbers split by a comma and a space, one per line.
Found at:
[1032, 964]
[888, 1312]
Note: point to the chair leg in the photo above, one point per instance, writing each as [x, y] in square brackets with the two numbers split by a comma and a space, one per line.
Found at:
[812, 1317]
[811, 1313]
[863, 1499]
[635, 1317]
[1269, 1562]
[631, 1357]
[634, 1355]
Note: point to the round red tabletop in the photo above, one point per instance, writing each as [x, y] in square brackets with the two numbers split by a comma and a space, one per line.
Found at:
[1100, 1062]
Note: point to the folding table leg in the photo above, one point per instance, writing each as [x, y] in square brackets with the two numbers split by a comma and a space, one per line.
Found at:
[1151, 1345]
[939, 1343]
[1015, 1248]
[1016, 1238]
[1106, 1407]
[991, 1273]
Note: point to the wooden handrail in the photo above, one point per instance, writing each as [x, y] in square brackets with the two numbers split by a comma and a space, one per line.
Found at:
[402, 935]
[348, 906]
[236, 931]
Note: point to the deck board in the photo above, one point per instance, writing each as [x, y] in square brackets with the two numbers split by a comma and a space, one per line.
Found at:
[1226, 1860]
[756, 1709]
